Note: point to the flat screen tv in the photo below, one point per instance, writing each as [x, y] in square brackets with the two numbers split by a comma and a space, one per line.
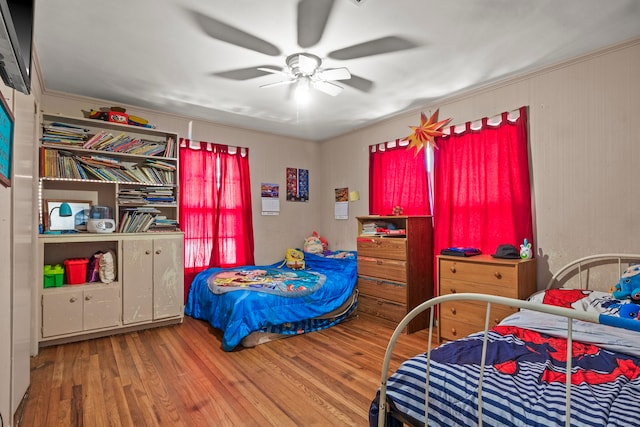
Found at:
[16, 38]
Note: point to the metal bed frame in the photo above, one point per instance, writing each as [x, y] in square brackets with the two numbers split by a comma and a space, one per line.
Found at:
[578, 268]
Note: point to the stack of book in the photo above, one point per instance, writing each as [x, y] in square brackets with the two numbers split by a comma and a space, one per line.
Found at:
[59, 133]
[132, 197]
[161, 223]
[159, 195]
[137, 220]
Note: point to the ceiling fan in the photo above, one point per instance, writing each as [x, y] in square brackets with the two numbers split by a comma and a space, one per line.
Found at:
[302, 69]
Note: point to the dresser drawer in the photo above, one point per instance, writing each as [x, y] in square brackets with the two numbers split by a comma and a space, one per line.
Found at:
[379, 288]
[474, 312]
[379, 247]
[391, 269]
[478, 272]
[450, 286]
[452, 329]
[382, 308]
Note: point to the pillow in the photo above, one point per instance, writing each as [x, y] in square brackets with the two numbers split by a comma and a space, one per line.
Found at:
[580, 299]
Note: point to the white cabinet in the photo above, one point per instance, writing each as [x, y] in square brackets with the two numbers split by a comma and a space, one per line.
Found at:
[153, 277]
[80, 308]
[147, 291]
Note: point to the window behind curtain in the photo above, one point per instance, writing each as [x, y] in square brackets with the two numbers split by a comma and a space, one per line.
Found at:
[482, 193]
[215, 207]
[397, 177]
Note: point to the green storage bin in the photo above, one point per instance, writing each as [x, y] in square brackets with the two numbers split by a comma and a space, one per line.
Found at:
[53, 276]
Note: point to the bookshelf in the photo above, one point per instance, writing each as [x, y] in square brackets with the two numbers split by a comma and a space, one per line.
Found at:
[130, 168]
[133, 171]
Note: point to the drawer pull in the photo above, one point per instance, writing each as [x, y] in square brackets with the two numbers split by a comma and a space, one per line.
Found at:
[453, 269]
[379, 261]
[498, 275]
[88, 298]
[453, 290]
[454, 332]
[147, 252]
[73, 299]
[453, 310]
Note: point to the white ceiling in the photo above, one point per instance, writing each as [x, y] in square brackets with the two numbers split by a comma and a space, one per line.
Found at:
[167, 55]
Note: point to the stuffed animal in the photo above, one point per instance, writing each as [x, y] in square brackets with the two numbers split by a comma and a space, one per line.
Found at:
[629, 284]
[294, 259]
[525, 250]
[315, 244]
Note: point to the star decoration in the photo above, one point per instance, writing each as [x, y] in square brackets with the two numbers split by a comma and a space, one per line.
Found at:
[426, 132]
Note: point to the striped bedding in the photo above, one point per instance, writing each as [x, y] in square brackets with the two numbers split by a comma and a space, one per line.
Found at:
[524, 379]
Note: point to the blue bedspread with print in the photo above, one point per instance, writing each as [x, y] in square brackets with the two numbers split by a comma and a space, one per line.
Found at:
[241, 312]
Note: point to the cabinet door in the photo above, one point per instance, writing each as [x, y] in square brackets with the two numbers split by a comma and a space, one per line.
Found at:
[61, 313]
[168, 277]
[137, 280]
[101, 307]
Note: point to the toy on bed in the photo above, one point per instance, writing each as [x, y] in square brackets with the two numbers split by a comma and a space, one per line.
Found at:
[629, 284]
[294, 259]
[315, 244]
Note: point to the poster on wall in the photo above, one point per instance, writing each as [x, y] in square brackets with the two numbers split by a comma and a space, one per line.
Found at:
[270, 195]
[341, 210]
[297, 185]
[6, 141]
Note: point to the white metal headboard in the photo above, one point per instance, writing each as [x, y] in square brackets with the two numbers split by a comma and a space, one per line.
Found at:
[581, 267]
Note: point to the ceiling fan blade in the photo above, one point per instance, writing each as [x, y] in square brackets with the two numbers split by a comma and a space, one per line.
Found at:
[327, 87]
[227, 33]
[360, 83]
[373, 47]
[248, 73]
[273, 70]
[282, 82]
[334, 74]
[312, 19]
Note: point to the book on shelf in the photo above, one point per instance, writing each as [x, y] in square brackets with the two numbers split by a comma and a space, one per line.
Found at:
[57, 163]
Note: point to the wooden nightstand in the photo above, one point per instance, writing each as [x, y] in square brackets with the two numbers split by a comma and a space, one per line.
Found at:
[485, 275]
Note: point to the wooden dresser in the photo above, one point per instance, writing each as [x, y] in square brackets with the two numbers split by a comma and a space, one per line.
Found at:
[485, 275]
[395, 272]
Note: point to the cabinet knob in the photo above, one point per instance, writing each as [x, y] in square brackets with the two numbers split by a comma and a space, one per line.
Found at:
[379, 261]
[158, 252]
[453, 310]
[73, 299]
[498, 275]
[147, 252]
[88, 298]
[454, 332]
[453, 269]
[452, 290]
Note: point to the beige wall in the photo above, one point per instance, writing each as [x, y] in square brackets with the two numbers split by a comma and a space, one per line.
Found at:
[585, 151]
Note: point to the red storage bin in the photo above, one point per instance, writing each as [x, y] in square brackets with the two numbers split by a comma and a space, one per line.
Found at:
[76, 270]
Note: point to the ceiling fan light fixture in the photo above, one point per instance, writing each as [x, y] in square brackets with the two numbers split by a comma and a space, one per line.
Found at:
[302, 91]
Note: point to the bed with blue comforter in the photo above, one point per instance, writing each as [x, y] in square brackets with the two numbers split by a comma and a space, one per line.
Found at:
[524, 379]
[275, 299]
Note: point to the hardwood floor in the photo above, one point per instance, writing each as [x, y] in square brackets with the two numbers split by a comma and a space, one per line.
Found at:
[179, 376]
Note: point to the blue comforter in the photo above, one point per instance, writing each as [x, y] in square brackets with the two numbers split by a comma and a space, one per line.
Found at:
[241, 312]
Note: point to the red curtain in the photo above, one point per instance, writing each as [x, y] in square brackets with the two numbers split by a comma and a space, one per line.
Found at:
[397, 177]
[482, 193]
[215, 207]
